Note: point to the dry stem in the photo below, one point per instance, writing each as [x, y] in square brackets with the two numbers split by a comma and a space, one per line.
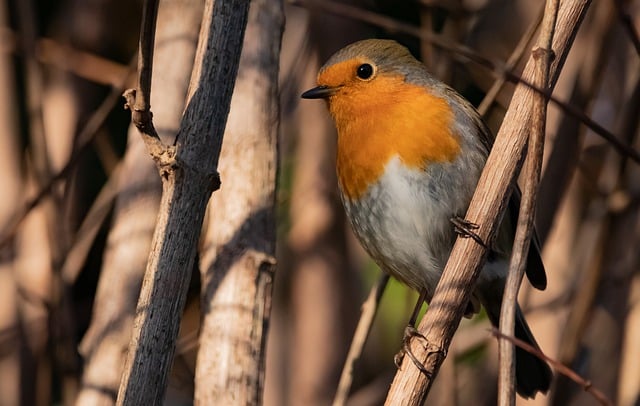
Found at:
[542, 55]
[369, 310]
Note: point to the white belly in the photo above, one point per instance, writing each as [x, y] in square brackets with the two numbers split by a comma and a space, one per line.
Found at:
[404, 220]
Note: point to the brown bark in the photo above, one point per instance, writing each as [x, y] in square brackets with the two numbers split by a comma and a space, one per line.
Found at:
[542, 57]
[238, 259]
[188, 170]
[105, 343]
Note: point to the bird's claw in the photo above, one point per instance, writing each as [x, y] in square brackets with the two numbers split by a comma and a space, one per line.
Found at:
[409, 333]
[465, 229]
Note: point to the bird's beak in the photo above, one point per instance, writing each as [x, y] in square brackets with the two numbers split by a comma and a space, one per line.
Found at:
[319, 92]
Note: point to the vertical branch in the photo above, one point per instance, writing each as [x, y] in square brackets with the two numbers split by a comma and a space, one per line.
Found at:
[189, 174]
[542, 55]
[238, 255]
[411, 386]
[145, 59]
[104, 346]
[139, 100]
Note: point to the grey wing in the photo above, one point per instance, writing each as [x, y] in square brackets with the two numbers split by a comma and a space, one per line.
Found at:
[486, 138]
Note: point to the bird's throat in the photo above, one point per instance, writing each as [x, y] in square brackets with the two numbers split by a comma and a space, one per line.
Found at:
[411, 124]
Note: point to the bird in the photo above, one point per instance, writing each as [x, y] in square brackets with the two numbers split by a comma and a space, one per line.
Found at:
[410, 150]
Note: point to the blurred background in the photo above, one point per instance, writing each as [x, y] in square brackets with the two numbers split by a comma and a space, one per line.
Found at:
[79, 197]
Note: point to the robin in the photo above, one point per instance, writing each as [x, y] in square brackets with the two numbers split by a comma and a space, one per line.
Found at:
[410, 151]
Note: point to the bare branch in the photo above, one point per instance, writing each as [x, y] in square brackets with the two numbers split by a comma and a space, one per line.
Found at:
[189, 175]
[237, 260]
[139, 100]
[543, 56]
[104, 345]
[369, 310]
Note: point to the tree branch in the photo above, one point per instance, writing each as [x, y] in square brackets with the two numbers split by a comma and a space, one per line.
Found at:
[369, 310]
[543, 56]
[410, 386]
[139, 99]
[189, 175]
[237, 259]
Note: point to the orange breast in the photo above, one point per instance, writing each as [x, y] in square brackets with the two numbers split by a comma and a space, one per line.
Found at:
[389, 118]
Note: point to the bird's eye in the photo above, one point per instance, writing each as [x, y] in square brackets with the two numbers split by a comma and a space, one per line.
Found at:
[365, 71]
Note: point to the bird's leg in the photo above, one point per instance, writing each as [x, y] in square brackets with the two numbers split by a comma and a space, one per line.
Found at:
[409, 332]
[465, 229]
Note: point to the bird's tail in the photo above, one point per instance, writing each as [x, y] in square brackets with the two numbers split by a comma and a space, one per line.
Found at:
[533, 375]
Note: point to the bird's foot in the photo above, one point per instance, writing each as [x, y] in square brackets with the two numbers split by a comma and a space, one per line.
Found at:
[409, 333]
[466, 229]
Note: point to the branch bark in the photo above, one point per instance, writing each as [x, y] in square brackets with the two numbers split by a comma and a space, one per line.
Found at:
[238, 259]
[410, 386]
[188, 171]
[104, 346]
[542, 54]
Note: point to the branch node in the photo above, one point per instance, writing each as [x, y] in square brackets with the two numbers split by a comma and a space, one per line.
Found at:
[141, 115]
[214, 181]
[541, 52]
[130, 99]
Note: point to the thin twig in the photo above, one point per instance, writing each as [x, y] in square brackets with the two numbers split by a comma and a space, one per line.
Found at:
[463, 53]
[369, 310]
[558, 366]
[543, 55]
[139, 99]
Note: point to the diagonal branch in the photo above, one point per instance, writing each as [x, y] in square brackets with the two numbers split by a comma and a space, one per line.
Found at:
[369, 310]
